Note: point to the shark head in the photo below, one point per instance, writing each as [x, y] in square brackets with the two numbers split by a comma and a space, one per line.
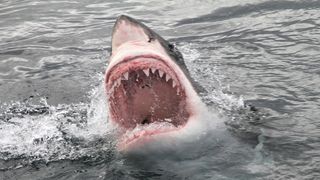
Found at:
[150, 92]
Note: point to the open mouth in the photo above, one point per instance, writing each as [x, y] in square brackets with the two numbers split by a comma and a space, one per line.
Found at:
[144, 90]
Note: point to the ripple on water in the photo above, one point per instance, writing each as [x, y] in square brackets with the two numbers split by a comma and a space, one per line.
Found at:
[264, 53]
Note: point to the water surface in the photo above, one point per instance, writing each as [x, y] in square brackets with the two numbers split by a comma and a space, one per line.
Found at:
[53, 119]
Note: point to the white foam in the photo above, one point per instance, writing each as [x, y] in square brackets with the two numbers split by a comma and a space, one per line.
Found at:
[62, 132]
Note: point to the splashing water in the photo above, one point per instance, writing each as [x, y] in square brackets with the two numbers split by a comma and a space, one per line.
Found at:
[35, 131]
[49, 133]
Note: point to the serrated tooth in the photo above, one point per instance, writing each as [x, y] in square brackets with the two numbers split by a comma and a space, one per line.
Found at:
[153, 70]
[168, 120]
[178, 91]
[146, 72]
[161, 73]
[167, 77]
[174, 84]
[126, 75]
[116, 83]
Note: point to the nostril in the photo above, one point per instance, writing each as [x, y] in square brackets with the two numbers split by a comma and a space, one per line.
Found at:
[150, 39]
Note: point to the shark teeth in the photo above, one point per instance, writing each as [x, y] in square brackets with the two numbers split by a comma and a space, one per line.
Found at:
[168, 120]
[174, 84]
[161, 73]
[126, 75]
[168, 77]
[146, 72]
[118, 82]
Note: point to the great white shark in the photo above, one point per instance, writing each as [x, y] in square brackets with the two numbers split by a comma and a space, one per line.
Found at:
[149, 89]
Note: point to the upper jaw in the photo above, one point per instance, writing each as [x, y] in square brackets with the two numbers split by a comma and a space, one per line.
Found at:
[149, 64]
[135, 49]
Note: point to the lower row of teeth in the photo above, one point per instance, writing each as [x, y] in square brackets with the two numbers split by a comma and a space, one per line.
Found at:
[125, 76]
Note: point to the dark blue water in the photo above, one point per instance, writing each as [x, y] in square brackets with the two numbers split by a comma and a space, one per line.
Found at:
[53, 118]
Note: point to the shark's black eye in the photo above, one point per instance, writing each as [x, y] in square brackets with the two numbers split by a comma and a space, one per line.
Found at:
[171, 47]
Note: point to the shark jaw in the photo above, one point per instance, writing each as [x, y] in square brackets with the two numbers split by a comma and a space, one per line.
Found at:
[148, 93]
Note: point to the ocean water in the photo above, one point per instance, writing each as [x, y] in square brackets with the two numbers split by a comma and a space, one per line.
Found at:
[258, 60]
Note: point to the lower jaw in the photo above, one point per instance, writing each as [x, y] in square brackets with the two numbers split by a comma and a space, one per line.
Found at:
[140, 136]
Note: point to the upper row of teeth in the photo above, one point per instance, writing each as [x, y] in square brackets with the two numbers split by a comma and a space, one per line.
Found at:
[125, 76]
